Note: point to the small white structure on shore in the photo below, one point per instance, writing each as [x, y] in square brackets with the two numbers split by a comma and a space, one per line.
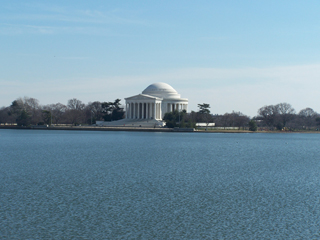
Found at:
[205, 124]
[148, 108]
[156, 100]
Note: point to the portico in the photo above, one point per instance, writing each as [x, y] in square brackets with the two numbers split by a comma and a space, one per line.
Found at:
[143, 108]
[156, 100]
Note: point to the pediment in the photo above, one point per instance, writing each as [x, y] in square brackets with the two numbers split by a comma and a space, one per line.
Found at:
[142, 97]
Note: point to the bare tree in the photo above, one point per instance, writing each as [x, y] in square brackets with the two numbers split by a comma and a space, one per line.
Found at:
[75, 104]
[307, 118]
[5, 116]
[286, 112]
[94, 112]
[240, 120]
[75, 113]
[57, 111]
[308, 112]
[269, 114]
[31, 104]
[226, 120]
[191, 119]
[234, 119]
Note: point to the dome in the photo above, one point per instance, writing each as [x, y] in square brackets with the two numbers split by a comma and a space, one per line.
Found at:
[162, 90]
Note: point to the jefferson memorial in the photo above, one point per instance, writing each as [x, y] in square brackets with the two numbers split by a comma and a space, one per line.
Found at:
[148, 108]
[156, 100]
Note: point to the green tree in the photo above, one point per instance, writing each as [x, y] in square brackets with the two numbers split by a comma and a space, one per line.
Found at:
[15, 107]
[204, 113]
[112, 110]
[20, 114]
[23, 119]
[175, 119]
[252, 126]
[170, 119]
[46, 116]
[204, 108]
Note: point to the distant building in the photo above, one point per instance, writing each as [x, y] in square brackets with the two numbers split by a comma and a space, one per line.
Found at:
[205, 124]
[148, 108]
[156, 100]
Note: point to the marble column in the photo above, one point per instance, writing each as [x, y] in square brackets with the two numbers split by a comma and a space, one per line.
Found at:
[147, 111]
[136, 110]
[128, 111]
[132, 110]
[154, 110]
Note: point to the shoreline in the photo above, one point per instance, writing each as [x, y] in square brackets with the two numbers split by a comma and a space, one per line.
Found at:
[141, 129]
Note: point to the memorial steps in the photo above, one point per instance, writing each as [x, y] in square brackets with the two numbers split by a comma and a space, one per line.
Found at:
[146, 123]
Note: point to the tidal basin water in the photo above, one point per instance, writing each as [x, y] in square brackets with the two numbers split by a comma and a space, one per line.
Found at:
[137, 185]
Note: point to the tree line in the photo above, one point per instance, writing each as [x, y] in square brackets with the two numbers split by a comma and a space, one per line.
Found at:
[281, 117]
[28, 111]
[203, 115]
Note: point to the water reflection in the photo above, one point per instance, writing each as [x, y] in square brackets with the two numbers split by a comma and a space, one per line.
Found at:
[107, 185]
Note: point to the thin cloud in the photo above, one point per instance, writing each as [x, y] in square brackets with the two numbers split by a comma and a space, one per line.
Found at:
[74, 58]
[45, 7]
[16, 29]
[242, 89]
[77, 16]
[4, 84]
[213, 38]
[62, 20]
[297, 74]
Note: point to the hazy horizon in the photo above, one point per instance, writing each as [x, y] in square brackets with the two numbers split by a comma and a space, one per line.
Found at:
[236, 56]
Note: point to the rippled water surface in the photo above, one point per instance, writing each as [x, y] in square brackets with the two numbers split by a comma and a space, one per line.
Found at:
[135, 185]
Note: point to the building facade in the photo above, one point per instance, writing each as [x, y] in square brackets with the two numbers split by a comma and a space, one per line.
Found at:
[156, 100]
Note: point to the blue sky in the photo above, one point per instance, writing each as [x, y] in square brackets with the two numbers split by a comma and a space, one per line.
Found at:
[234, 55]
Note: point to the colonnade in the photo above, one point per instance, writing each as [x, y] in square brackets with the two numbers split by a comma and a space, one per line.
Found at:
[151, 110]
[143, 110]
[176, 106]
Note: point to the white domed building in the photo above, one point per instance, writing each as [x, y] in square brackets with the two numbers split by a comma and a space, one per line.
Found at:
[148, 108]
[156, 100]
